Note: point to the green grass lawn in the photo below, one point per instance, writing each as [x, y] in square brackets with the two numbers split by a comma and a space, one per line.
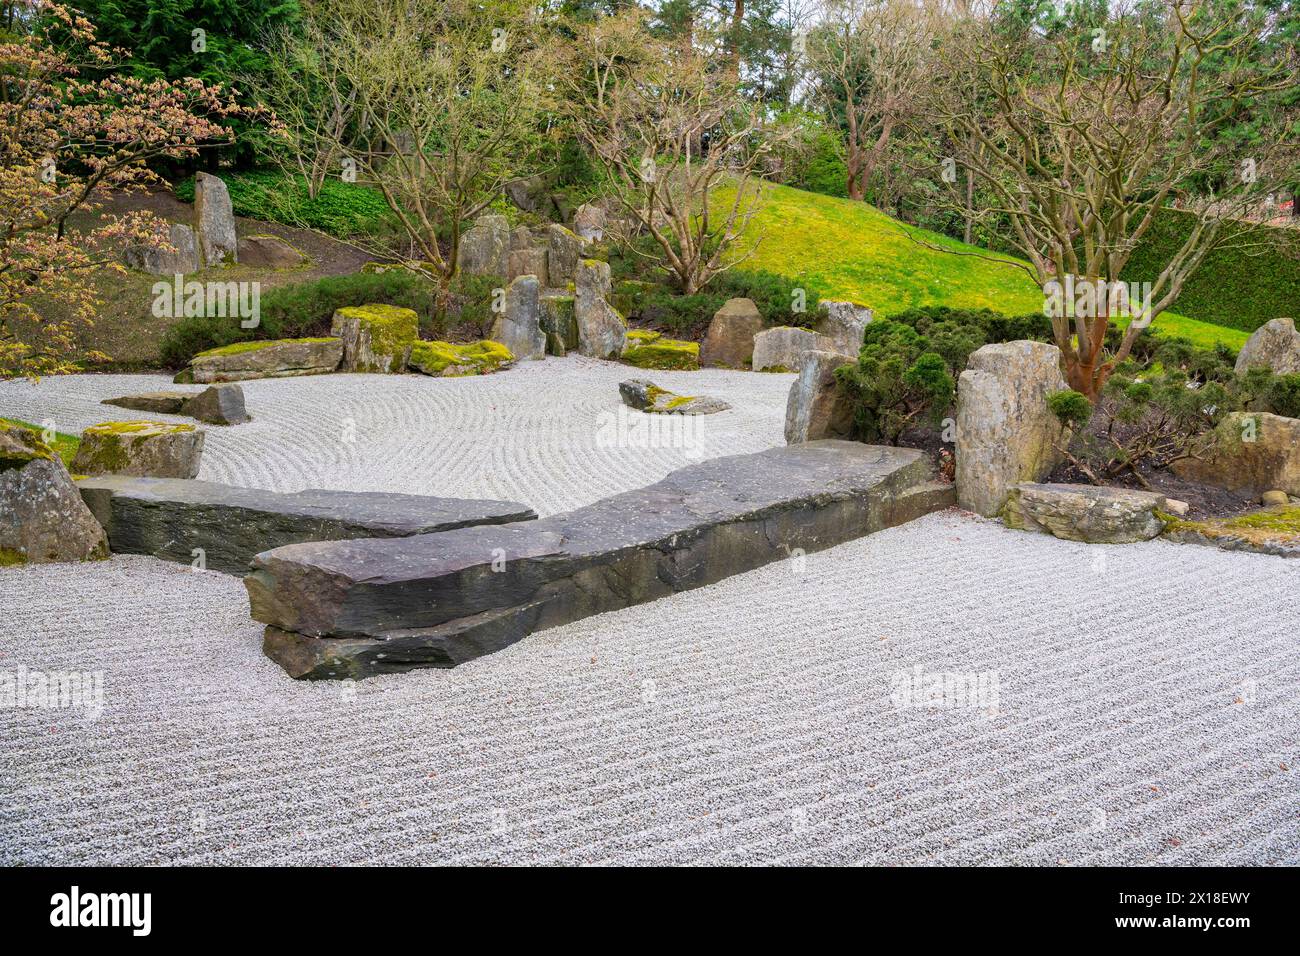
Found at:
[65, 446]
[854, 251]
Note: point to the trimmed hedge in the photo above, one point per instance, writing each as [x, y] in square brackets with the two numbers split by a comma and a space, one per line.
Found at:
[1239, 288]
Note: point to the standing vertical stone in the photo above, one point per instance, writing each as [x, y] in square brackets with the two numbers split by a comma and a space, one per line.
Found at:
[215, 218]
[485, 247]
[817, 408]
[601, 330]
[842, 325]
[518, 327]
[564, 251]
[784, 348]
[1006, 434]
[730, 339]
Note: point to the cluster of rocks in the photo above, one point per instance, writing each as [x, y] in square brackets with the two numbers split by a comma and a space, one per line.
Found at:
[557, 299]
[736, 337]
[367, 338]
[212, 240]
[216, 405]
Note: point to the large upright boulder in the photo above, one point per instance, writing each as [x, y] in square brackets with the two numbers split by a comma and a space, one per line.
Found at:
[729, 341]
[1006, 433]
[601, 330]
[1252, 452]
[1274, 345]
[485, 246]
[784, 348]
[215, 218]
[842, 325]
[816, 407]
[565, 250]
[518, 326]
[376, 338]
[182, 259]
[42, 517]
[146, 449]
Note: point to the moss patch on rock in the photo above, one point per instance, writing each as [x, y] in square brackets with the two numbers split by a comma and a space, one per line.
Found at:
[652, 350]
[392, 328]
[238, 348]
[11, 558]
[141, 428]
[451, 360]
[1266, 529]
[25, 444]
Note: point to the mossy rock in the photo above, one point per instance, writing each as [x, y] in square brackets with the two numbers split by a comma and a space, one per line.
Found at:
[661, 353]
[239, 348]
[376, 337]
[142, 448]
[20, 445]
[449, 360]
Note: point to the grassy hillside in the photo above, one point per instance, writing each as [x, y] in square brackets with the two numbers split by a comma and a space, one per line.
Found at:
[852, 250]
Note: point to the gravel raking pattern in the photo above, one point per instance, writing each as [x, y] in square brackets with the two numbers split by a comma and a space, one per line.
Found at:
[546, 433]
[1145, 712]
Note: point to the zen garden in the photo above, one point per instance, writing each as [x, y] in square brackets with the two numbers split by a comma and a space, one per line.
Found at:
[649, 433]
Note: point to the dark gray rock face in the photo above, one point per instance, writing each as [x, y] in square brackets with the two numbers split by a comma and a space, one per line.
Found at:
[169, 518]
[221, 404]
[347, 609]
[217, 404]
[816, 407]
[161, 403]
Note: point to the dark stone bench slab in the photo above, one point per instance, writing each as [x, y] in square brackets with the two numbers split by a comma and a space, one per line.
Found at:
[347, 609]
[170, 517]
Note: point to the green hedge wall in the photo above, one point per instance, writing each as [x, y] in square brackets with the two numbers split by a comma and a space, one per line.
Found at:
[1239, 288]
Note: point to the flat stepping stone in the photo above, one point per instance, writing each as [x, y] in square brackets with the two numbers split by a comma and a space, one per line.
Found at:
[347, 609]
[169, 518]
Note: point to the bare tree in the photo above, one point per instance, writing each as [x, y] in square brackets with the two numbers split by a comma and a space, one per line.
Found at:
[871, 60]
[444, 98]
[1089, 137]
[669, 131]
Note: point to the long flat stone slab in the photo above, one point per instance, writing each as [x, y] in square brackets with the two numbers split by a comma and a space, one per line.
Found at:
[171, 517]
[348, 609]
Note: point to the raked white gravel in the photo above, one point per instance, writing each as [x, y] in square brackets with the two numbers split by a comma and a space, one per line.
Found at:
[1139, 702]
